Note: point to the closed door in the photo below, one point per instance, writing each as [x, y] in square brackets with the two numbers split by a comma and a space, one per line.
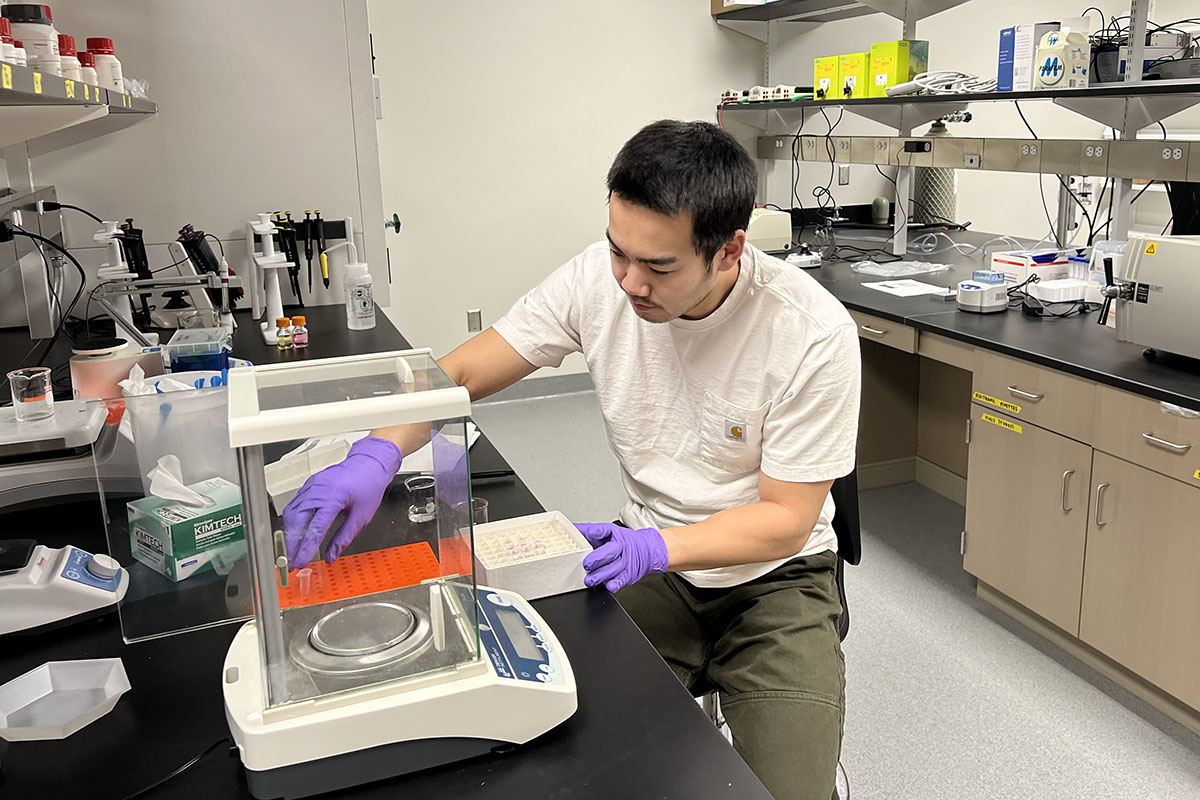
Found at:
[1141, 596]
[1027, 514]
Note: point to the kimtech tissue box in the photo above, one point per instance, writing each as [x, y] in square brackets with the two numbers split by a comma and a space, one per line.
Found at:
[178, 540]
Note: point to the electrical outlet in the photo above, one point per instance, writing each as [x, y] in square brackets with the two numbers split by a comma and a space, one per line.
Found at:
[474, 320]
[844, 175]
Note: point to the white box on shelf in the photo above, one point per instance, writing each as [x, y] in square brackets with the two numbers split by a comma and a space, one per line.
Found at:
[538, 555]
[1050, 264]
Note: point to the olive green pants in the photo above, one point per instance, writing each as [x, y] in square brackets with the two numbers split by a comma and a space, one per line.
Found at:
[771, 648]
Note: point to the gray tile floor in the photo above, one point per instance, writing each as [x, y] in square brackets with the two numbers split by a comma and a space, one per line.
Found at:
[946, 697]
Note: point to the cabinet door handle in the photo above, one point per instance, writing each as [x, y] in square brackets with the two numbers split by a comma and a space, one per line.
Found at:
[1026, 395]
[1178, 448]
[1100, 499]
[873, 331]
[1065, 478]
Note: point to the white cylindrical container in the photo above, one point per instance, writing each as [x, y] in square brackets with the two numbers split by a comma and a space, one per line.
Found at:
[7, 48]
[87, 67]
[71, 68]
[108, 68]
[33, 25]
[360, 298]
[18, 53]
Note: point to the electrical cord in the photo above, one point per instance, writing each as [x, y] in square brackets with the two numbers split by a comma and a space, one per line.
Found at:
[950, 82]
[1042, 189]
[185, 767]
[51, 205]
[825, 199]
[1019, 293]
[962, 226]
[218, 241]
[62, 319]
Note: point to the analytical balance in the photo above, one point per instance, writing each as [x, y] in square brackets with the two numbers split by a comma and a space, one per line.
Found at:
[390, 659]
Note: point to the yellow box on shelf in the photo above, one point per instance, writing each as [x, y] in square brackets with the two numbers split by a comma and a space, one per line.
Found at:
[826, 85]
[854, 74]
[896, 62]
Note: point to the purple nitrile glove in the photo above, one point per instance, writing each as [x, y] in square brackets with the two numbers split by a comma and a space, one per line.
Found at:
[355, 486]
[621, 556]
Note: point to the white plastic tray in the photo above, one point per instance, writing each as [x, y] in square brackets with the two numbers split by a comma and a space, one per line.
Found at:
[60, 697]
[555, 569]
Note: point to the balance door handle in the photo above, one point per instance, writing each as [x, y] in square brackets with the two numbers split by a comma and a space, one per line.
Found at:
[1066, 478]
[1100, 490]
[1032, 396]
[1163, 443]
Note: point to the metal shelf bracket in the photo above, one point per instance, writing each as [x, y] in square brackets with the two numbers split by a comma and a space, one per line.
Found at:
[1128, 113]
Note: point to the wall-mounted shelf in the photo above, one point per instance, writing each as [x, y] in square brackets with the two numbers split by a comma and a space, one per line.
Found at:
[799, 15]
[48, 112]
[1116, 105]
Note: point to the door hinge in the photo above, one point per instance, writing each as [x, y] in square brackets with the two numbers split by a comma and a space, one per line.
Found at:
[962, 543]
[968, 430]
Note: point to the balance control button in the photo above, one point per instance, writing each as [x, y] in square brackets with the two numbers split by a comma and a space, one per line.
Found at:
[546, 668]
[543, 678]
[498, 600]
[545, 646]
[72, 574]
[103, 567]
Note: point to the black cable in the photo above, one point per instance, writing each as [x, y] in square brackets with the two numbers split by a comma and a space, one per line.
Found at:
[218, 241]
[168, 266]
[1070, 191]
[824, 196]
[1163, 128]
[62, 319]
[75, 208]
[1167, 226]
[928, 210]
[187, 766]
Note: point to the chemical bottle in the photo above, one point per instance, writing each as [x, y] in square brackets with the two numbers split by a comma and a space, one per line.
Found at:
[283, 333]
[299, 332]
[18, 53]
[108, 68]
[6, 41]
[33, 25]
[87, 66]
[71, 68]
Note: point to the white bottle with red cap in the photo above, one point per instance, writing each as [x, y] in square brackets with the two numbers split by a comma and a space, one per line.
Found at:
[18, 53]
[34, 26]
[87, 66]
[108, 68]
[71, 68]
[7, 48]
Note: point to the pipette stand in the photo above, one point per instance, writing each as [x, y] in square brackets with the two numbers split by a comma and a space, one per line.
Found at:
[267, 263]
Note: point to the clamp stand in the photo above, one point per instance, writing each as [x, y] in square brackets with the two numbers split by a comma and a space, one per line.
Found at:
[265, 280]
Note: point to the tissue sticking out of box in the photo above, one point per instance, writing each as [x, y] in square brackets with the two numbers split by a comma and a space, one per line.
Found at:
[166, 481]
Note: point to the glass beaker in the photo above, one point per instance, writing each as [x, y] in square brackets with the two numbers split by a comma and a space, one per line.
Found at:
[424, 498]
[32, 394]
[479, 510]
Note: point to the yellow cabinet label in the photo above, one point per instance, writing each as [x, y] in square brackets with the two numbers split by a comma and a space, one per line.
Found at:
[998, 403]
[37, 83]
[70, 87]
[5, 76]
[87, 92]
[1003, 423]
[1197, 475]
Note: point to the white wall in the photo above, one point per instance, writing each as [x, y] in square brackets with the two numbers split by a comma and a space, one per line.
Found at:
[255, 114]
[500, 122]
[967, 38]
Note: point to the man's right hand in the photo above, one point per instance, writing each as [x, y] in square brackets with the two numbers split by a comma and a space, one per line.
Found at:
[354, 486]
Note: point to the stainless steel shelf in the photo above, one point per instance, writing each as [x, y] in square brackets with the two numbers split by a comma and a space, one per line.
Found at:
[799, 14]
[39, 109]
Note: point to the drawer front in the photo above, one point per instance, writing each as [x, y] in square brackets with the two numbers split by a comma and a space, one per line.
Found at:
[893, 334]
[1046, 397]
[1135, 428]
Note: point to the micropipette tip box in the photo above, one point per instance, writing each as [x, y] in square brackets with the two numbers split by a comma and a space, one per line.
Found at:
[535, 556]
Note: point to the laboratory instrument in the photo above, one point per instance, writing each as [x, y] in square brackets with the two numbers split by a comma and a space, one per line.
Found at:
[982, 297]
[1156, 294]
[307, 230]
[770, 230]
[192, 349]
[804, 257]
[58, 698]
[319, 232]
[42, 586]
[390, 659]
[32, 393]
[265, 263]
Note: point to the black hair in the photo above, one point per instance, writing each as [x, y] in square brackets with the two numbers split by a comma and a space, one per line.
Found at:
[672, 167]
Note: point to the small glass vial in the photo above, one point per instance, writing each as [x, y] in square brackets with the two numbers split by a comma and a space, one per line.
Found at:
[283, 333]
[299, 333]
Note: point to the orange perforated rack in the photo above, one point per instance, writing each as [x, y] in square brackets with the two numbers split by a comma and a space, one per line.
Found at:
[362, 574]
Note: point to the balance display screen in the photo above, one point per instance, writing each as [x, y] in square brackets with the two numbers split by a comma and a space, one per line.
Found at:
[514, 625]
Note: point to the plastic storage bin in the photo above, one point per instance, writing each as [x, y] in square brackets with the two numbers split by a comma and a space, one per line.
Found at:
[535, 556]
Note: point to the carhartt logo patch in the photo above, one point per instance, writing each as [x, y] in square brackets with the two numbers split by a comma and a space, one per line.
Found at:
[735, 431]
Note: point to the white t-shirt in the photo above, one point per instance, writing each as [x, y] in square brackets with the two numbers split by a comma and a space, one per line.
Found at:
[695, 408]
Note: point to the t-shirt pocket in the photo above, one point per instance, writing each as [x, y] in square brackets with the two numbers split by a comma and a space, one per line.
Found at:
[731, 436]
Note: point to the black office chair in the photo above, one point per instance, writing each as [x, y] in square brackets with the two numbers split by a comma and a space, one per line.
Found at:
[846, 528]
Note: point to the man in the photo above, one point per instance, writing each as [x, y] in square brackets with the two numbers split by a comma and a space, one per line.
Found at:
[729, 385]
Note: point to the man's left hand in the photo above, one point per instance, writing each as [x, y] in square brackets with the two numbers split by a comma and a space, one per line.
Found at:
[621, 556]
